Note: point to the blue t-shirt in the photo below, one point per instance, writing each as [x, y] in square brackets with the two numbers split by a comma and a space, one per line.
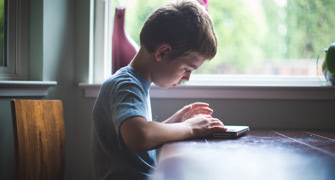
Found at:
[124, 95]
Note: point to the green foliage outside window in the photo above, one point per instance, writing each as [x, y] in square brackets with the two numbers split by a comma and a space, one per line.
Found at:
[256, 33]
[2, 32]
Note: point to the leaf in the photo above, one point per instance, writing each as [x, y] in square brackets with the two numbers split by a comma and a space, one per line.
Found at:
[330, 59]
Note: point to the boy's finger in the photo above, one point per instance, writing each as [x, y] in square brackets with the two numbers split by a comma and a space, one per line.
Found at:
[199, 104]
[217, 125]
[203, 110]
[215, 121]
[187, 108]
[219, 129]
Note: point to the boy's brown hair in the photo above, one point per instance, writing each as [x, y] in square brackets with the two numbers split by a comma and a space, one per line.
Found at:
[185, 25]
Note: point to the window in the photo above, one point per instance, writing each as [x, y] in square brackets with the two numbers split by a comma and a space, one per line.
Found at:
[13, 39]
[3, 24]
[259, 37]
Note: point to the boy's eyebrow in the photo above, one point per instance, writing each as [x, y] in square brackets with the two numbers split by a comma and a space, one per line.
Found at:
[193, 66]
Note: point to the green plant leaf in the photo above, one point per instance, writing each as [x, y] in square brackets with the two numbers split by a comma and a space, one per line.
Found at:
[330, 59]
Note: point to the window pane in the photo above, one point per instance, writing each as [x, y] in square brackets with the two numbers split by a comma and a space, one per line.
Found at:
[276, 37]
[3, 60]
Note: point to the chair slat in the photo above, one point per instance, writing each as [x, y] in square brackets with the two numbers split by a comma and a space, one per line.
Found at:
[39, 137]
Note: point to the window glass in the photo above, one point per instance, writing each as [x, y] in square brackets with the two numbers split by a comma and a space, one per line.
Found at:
[14, 35]
[3, 59]
[273, 37]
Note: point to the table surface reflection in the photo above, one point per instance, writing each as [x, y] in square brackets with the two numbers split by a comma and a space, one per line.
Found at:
[260, 154]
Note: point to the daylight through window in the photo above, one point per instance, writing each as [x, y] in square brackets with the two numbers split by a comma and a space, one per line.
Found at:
[3, 21]
[264, 37]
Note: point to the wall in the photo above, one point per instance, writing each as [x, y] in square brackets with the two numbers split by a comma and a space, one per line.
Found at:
[6, 141]
[59, 47]
[55, 43]
[260, 114]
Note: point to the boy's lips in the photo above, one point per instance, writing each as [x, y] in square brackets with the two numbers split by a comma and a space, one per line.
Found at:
[174, 85]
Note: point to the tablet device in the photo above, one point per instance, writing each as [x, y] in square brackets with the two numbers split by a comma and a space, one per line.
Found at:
[232, 132]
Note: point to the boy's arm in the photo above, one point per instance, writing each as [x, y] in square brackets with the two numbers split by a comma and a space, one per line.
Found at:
[141, 135]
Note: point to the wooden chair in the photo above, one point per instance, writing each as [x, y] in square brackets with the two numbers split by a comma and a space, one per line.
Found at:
[39, 138]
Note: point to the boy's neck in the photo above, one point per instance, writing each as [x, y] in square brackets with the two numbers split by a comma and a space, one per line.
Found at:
[142, 63]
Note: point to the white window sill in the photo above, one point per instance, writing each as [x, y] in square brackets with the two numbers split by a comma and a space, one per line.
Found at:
[240, 87]
[25, 88]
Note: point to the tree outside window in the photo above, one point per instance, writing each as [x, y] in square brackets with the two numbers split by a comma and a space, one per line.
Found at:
[273, 37]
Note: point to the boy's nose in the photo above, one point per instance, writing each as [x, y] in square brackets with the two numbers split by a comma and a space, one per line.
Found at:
[187, 77]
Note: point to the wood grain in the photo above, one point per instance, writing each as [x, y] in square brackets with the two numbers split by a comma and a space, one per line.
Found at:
[39, 137]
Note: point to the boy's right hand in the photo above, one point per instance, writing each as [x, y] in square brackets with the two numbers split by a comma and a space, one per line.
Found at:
[203, 125]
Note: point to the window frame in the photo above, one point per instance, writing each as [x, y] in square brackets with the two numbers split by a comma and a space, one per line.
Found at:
[17, 41]
[201, 86]
[101, 29]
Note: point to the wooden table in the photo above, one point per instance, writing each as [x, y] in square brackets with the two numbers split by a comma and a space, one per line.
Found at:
[261, 154]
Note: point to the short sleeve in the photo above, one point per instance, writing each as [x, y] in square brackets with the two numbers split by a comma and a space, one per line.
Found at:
[129, 101]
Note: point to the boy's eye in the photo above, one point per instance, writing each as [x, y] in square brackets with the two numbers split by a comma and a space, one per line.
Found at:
[187, 70]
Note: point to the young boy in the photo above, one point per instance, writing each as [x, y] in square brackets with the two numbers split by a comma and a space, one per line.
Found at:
[175, 40]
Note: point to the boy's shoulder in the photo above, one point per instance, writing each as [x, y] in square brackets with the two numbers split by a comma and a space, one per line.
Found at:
[122, 75]
[126, 77]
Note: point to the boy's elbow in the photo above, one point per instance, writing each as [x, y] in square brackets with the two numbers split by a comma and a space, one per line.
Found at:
[138, 143]
[135, 137]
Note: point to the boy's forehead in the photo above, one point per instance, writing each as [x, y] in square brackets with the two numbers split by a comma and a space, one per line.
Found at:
[195, 56]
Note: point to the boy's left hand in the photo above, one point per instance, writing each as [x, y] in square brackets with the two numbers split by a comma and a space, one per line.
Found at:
[190, 111]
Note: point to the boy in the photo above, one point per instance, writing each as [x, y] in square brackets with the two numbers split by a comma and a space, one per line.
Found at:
[175, 40]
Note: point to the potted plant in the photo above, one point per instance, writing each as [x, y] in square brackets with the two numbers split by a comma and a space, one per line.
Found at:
[328, 66]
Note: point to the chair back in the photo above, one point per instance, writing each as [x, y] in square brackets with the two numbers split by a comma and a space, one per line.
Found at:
[39, 138]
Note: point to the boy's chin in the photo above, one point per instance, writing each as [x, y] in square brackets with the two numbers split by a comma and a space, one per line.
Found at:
[165, 86]
[172, 85]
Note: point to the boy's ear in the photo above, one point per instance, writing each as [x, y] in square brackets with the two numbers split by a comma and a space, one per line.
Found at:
[162, 51]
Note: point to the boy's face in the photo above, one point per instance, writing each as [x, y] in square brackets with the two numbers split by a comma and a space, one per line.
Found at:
[172, 72]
